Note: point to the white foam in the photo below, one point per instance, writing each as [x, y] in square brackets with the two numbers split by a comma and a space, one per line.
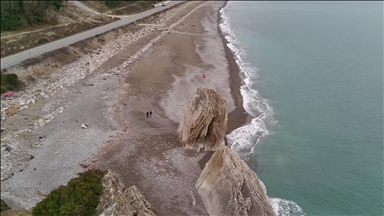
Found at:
[244, 139]
[283, 207]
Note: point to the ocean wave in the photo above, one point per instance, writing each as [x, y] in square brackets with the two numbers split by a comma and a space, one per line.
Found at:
[283, 207]
[244, 139]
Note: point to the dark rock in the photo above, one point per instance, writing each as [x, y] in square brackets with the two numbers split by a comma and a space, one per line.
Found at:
[4, 206]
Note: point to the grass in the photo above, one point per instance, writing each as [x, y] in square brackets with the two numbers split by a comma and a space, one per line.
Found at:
[10, 82]
[80, 197]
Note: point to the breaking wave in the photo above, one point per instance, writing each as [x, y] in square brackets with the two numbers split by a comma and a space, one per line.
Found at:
[283, 207]
[244, 139]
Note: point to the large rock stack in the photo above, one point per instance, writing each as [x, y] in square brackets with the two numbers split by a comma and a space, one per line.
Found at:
[227, 185]
[205, 121]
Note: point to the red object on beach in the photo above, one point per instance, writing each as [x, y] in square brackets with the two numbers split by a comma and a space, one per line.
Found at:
[204, 76]
[8, 94]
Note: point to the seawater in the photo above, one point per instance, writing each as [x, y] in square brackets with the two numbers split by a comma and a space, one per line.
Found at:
[313, 82]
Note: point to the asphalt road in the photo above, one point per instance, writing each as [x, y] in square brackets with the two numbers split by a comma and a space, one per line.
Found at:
[34, 52]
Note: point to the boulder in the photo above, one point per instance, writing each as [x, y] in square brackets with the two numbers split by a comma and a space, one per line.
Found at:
[117, 200]
[228, 186]
[11, 111]
[205, 121]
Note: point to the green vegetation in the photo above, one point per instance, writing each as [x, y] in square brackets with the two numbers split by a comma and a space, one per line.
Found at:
[115, 4]
[42, 41]
[80, 197]
[129, 7]
[10, 82]
[21, 14]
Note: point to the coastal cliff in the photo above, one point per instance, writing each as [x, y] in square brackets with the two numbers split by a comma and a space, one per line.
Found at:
[226, 185]
[117, 200]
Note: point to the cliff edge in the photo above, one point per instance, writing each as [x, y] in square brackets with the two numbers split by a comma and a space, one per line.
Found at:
[117, 200]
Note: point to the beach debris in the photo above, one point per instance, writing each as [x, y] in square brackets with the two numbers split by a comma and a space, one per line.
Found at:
[8, 94]
[84, 126]
[31, 157]
[57, 153]
[7, 177]
[8, 148]
[3, 130]
[204, 76]
[192, 196]
[42, 194]
[84, 165]
[36, 145]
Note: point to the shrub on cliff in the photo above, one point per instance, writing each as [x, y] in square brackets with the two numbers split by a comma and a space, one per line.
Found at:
[10, 82]
[80, 197]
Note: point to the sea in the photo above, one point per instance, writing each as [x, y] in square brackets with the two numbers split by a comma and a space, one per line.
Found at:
[312, 76]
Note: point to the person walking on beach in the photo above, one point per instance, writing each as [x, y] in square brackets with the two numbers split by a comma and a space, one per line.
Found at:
[150, 113]
[147, 114]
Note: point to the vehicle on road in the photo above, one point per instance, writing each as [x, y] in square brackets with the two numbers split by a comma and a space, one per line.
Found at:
[163, 4]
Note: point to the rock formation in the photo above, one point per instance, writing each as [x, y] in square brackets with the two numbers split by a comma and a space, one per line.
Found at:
[226, 185]
[205, 121]
[117, 200]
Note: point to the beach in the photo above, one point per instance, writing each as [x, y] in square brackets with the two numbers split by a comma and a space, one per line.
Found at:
[158, 72]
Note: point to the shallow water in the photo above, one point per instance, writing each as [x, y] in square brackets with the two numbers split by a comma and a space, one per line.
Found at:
[314, 83]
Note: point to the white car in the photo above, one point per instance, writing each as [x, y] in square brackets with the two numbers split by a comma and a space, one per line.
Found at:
[163, 4]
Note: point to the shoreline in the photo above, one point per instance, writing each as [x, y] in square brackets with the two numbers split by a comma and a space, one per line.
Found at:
[239, 116]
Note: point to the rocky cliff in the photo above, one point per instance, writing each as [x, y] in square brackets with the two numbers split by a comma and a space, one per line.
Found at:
[205, 121]
[117, 200]
[229, 187]
[226, 185]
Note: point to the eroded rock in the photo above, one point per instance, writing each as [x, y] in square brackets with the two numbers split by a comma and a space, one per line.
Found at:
[117, 200]
[228, 186]
[205, 121]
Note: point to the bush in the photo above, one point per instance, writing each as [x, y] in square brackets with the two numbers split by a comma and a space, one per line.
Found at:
[42, 41]
[10, 22]
[10, 82]
[80, 197]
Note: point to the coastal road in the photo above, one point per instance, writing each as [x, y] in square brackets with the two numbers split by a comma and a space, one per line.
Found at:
[34, 52]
